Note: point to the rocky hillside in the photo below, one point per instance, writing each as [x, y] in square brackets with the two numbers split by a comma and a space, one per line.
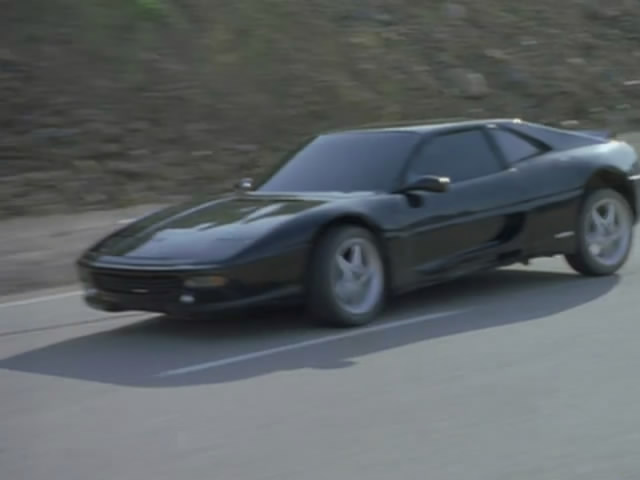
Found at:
[105, 103]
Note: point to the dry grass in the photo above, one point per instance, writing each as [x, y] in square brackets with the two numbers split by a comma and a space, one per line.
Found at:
[108, 103]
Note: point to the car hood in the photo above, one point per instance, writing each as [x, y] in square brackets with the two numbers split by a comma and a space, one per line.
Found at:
[205, 231]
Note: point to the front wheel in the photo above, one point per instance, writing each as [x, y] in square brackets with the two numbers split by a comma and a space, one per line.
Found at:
[604, 234]
[347, 278]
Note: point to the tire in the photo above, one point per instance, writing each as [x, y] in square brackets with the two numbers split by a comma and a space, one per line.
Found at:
[588, 259]
[334, 269]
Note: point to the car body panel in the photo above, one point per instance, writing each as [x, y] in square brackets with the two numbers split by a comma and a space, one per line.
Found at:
[212, 232]
[261, 242]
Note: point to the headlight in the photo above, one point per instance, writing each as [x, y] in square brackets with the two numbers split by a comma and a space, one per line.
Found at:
[205, 281]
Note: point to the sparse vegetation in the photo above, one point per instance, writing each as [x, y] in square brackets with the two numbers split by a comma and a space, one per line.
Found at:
[107, 103]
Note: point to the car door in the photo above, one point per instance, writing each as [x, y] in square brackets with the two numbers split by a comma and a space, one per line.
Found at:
[551, 201]
[480, 211]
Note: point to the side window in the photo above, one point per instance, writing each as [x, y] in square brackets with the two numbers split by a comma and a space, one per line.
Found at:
[514, 147]
[459, 156]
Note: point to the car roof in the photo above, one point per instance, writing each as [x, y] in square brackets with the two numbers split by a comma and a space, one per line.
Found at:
[430, 127]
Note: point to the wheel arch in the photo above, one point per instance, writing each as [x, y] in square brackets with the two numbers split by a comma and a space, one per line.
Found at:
[615, 180]
[355, 220]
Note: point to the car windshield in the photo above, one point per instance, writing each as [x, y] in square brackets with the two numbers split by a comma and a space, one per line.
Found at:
[343, 162]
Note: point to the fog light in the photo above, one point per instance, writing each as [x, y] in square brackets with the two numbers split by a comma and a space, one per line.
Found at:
[205, 281]
[186, 298]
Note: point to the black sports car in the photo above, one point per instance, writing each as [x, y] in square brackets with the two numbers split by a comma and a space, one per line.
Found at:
[355, 216]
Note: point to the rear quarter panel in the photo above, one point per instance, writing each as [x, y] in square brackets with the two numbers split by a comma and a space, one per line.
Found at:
[615, 156]
[556, 184]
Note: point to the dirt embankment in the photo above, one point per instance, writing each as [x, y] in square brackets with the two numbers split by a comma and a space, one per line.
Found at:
[115, 103]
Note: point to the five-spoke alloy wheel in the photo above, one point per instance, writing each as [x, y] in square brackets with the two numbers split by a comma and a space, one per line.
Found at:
[604, 234]
[347, 280]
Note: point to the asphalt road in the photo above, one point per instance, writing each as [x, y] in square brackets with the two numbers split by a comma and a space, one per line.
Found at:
[527, 373]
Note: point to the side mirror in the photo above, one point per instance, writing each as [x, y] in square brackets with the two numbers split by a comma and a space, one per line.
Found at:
[428, 183]
[244, 184]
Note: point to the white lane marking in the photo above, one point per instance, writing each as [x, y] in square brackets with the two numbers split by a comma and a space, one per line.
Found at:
[303, 344]
[45, 298]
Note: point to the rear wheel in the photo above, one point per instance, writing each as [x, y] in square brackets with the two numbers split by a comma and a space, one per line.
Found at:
[604, 234]
[347, 278]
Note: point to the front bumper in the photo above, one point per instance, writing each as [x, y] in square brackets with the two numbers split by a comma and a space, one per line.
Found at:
[118, 288]
[183, 303]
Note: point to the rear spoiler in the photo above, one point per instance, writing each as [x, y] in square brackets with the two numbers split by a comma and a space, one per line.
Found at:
[602, 134]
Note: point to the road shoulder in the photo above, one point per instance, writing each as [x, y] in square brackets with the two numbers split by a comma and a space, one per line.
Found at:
[37, 253]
